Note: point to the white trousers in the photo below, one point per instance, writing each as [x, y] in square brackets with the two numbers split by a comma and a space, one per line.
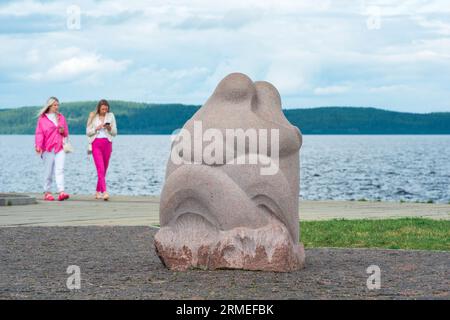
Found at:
[54, 165]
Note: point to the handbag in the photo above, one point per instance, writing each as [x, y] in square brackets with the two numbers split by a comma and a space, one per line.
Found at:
[89, 148]
[67, 146]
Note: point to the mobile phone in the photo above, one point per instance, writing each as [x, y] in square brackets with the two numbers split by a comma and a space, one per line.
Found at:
[107, 124]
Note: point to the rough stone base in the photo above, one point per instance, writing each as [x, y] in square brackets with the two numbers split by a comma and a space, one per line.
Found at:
[192, 242]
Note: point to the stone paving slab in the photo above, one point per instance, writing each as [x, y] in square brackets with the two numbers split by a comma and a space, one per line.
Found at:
[83, 210]
[120, 263]
[14, 199]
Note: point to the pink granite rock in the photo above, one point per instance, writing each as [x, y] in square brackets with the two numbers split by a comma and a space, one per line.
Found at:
[220, 208]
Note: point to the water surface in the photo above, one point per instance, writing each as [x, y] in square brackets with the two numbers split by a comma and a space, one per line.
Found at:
[347, 167]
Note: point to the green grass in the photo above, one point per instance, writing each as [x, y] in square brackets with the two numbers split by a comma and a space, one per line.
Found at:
[405, 233]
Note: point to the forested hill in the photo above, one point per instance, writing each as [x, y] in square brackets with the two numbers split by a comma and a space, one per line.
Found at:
[143, 118]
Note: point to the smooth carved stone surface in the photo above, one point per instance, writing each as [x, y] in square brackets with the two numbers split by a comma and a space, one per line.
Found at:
[228, 215]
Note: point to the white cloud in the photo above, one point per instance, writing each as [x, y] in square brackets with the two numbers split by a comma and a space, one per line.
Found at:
[29, 7]
[315, 52]
[80, 66]
[438, 26]
[389, 88]
[331, 90]
[287, 78]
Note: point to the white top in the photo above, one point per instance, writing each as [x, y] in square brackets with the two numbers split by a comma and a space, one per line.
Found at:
[102, 131]
[52, 118]
[91, 127]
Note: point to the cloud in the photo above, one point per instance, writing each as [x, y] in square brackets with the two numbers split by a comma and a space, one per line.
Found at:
[436, 25]
[31, 7]
[331, 90]
[316, 53]
[390, 88]
[80, 66]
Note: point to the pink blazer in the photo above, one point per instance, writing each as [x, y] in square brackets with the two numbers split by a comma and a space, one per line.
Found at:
[47, 135]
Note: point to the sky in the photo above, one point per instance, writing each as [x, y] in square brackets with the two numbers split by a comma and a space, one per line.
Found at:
[393, 55]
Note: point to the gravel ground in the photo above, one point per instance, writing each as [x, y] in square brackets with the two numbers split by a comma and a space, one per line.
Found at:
[120, 263]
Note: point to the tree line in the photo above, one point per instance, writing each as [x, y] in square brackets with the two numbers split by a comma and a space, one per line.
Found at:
[145, 118]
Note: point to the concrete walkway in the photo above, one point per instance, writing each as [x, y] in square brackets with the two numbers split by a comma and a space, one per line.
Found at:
[82, 210]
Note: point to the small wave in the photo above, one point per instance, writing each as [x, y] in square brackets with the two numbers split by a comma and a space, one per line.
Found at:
[402, 192]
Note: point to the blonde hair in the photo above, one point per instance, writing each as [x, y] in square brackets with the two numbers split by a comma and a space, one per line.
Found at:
[91, 117]
[50, 102]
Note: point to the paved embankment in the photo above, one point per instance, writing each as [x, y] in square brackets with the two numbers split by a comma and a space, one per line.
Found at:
[82, 210]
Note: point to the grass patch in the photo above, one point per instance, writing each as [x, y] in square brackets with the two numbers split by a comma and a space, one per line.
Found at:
[405, 233]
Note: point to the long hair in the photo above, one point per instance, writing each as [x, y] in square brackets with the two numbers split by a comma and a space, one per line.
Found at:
[101, 103]
[48, 104]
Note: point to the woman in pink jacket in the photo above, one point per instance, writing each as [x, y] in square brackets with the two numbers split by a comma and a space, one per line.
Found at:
[51, 129]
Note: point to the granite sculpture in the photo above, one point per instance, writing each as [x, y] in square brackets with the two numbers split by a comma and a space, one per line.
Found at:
[219, 209]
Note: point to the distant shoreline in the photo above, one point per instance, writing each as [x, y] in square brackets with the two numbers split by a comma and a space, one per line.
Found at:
[163, 119]
[303, 134]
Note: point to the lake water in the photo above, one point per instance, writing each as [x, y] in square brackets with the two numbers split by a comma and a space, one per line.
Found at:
[375, 167]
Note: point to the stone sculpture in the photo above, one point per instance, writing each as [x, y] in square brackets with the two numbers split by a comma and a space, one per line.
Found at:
[231, 214]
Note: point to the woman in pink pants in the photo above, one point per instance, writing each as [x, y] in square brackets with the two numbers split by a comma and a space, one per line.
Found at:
[101, 128]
